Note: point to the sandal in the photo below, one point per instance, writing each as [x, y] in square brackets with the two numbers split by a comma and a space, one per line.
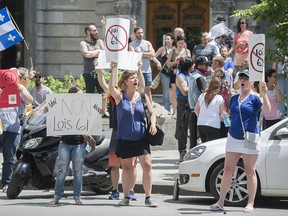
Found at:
[54, 202]
[78, 202]
[249, 208]
[5, 189]
[217, 207]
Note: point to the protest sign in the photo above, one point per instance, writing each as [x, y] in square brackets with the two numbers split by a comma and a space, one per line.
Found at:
[10, 96]
[217, 31]
[74, 114]
[257, 57]
[130, 63]
[116, 39]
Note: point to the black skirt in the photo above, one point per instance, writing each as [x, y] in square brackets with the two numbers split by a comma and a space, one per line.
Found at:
[129, 149]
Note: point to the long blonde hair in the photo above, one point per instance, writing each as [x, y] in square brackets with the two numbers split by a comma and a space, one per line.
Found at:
[125, 76]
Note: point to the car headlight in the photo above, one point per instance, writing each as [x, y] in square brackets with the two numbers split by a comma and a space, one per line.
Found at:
[194, 153]
[31, 143]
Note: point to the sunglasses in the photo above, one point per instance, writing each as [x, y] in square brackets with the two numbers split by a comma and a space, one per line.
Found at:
[242, 22]
[243, 78]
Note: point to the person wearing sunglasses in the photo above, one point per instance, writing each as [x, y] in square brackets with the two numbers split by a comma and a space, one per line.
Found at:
[39, 91]
[240, 45]
[244, 110]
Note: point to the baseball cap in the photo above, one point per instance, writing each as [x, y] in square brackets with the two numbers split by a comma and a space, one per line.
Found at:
[244, 72]
[220, 19]
[201, 60]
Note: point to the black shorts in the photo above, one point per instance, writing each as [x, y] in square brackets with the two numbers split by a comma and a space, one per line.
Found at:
[129, 149]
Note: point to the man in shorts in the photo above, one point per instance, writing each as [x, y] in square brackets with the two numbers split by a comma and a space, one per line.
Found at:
[145, 47]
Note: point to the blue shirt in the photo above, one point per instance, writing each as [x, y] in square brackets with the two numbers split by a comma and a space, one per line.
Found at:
[250, 109]
[229, 64]
[178, 92]
[130, 118]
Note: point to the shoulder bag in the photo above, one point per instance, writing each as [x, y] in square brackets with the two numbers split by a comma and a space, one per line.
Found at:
[158, 138]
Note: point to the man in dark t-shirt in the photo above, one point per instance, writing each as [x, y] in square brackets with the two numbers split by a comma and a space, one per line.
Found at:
[204, 49]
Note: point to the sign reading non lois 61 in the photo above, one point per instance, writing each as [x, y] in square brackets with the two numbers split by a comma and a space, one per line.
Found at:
[74, 114]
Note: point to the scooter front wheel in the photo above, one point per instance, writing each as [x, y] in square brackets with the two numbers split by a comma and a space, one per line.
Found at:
[103, 186]
[16, 185]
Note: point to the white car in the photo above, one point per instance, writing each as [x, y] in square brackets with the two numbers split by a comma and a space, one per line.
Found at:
[202, 168]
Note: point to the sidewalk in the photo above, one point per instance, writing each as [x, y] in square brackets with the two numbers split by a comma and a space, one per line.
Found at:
[164, 171]
[165, 158]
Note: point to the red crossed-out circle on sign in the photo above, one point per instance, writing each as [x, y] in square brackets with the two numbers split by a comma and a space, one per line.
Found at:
[257, 52]
[112, 38]
[9, 78]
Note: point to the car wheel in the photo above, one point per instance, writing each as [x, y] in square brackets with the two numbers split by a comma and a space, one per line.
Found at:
[238, 193]
[176, 190]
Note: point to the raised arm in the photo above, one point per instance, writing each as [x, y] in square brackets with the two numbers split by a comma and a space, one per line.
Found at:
[116, 93]
[103, 23]
[140, 77]
[101, 80]
[25, 94]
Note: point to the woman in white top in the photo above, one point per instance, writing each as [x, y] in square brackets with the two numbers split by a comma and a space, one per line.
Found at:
[209, 108]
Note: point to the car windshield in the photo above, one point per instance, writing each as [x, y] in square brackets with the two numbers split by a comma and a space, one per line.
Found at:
[37, 115]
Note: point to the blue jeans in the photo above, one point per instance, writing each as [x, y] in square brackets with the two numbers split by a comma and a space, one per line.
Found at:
[67, 153]
[165, 82]
[9, 142]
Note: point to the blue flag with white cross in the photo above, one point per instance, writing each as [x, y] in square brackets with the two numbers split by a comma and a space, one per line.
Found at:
[9, 35]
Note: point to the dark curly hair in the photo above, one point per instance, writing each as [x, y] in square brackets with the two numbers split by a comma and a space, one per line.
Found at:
[185, 64]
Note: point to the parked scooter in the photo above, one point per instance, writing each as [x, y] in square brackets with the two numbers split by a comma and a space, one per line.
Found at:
[37, 156]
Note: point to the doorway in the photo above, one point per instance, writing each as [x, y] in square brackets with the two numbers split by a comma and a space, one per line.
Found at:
[164, 15]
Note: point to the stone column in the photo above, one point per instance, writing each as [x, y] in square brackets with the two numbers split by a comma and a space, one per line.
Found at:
[223, 8]
[123, 7]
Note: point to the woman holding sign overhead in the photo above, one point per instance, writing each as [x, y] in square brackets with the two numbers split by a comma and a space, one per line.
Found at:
[71, 148]
[9, 140]
[131, 131]
[244, 109]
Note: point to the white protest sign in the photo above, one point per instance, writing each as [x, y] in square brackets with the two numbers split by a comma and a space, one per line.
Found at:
[116, 39]
[130, 63]
[217, 31]
[74, 114]
[257, 57]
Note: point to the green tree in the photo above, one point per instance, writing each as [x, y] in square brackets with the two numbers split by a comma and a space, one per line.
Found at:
[274, 14]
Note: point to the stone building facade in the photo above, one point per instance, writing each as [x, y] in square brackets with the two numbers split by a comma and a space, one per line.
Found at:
[53, 28]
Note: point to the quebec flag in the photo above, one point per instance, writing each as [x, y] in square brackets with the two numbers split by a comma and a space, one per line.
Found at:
[8, 33]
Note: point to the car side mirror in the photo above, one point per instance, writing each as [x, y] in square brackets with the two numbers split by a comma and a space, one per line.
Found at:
[282, 131]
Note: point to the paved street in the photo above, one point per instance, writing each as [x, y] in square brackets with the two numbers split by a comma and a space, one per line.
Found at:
[35, 202]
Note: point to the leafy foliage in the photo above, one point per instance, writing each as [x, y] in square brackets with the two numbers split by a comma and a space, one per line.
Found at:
[62, 86]
[274, 13]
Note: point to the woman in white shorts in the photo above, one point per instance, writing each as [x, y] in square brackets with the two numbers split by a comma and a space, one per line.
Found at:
[244, 109]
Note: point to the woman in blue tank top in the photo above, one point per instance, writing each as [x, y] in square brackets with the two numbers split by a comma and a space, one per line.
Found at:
[131, 131]
[183, 114]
